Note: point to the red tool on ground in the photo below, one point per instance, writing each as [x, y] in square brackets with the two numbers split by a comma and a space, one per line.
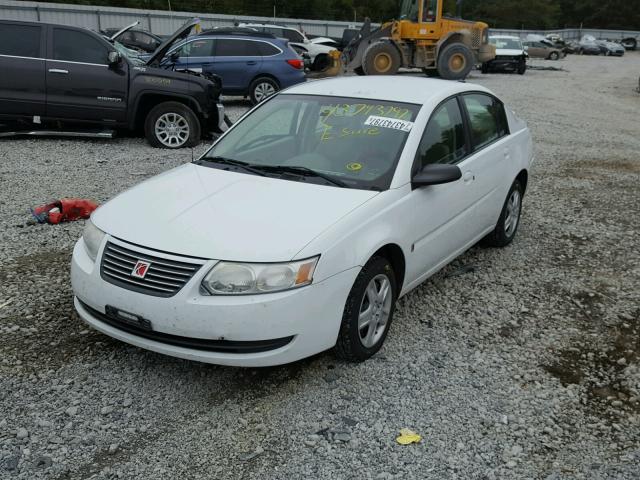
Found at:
[64, 210]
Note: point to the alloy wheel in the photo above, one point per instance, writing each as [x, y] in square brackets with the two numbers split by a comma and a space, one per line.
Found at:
[513, 213]
[263, 90]
[375, 309]
[172, 130]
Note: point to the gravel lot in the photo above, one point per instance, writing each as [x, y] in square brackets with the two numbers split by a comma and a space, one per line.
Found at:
[526, 367]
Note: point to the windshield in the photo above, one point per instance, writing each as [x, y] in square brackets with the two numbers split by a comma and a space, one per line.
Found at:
[354, 141]
[506, 43]
[130, 54]
[409, 10]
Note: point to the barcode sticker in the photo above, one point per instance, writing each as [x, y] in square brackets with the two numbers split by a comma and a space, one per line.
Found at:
[385, 122]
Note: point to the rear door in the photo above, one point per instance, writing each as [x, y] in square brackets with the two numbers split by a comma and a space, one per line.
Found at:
[80, 83]
[22, 69]
[238, 62]
[489, 164]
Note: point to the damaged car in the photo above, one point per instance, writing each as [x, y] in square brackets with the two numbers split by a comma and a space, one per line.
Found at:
[302, 226]
[510, 55]
[69, 81]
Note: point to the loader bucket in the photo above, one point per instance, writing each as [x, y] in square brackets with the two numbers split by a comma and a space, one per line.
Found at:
[329, 65]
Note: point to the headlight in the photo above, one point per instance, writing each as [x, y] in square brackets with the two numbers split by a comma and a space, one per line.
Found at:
[231, 278]
[92, 237]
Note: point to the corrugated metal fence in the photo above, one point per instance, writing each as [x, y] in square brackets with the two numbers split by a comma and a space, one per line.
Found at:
[163, 22]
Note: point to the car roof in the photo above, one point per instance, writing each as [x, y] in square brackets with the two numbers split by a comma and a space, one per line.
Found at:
[513, 37]
[270, 25]
[393, 88]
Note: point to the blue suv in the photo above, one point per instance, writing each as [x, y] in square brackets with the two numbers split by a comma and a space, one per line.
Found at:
[252, 64]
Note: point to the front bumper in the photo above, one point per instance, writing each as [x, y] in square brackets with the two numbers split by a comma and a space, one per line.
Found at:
[275, 328]
[506, 63]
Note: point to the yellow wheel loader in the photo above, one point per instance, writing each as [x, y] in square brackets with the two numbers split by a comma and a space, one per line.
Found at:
[421, 38]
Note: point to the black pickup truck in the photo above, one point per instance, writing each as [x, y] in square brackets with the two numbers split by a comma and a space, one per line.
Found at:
[61, 77]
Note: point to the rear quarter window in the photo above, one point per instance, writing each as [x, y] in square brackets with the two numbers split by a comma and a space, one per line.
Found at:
[268, 50]
[20, 40]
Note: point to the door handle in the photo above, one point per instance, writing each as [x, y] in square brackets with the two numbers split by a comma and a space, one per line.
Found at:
[58, 70]
[252, 62]
[468, 177]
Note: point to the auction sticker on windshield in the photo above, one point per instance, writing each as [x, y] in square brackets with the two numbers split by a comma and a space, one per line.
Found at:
[385, 122]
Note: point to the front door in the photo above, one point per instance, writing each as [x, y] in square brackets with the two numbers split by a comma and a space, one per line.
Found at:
[443, 222]
[80, 83]
[22, 69]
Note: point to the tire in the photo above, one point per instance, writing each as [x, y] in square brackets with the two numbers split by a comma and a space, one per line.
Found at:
[522, 67]
[262, 88]
[630, 43]
[359, 71]
[581, 51]
[455, 61]
[358, 341]
[381, 58]
[484, 68]
[506, 230]
[554, 56]
[172, 125]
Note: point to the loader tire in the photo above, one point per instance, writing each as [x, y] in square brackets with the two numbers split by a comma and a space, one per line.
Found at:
[455, 61]
[381, 58]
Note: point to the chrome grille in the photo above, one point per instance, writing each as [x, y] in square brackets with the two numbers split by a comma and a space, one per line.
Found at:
[164, 277]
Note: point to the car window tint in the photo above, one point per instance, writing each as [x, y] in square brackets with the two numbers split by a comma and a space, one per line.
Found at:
[198, 48]
[275, 31]
[443, 140]
[20, 40]
[75, 46]
[487, 118]
[236, 48]
[267, 50]
[293, 35]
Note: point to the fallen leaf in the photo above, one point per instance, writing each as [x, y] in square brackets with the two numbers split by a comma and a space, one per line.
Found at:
[408, 436]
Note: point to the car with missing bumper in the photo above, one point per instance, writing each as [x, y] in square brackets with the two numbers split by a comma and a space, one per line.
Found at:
[300, 228]
[63, 80]
[510, 55]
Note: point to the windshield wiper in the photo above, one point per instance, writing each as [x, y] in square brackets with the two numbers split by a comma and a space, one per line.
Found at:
[302, 171]
[230, 161]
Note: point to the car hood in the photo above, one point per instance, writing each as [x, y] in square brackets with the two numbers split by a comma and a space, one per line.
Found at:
[212, 213]
[509, 52]
[180, 34]
[314, 48]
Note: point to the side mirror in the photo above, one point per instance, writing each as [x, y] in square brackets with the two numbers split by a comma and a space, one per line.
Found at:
[114, 57]
[436, 174]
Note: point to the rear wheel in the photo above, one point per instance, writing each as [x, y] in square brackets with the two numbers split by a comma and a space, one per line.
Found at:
[368, 311]
[381, 58]
[455, 61]
[172, 125]
[509, 219]
[262, 88]
[554, 56]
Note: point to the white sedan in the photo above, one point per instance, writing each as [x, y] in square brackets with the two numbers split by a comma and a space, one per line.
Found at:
[300, 228]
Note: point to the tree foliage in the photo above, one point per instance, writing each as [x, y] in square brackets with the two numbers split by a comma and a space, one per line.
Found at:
[525, 14]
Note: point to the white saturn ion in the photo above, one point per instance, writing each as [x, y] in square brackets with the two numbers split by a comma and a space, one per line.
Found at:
[300, 228]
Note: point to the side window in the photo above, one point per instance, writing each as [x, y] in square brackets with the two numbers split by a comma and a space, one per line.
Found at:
[226, 47]
[145, 39]
[267, 50]
[275, 31]
[293, 35]
[443, 140]
[198, 48]
[126, 37]
[75, 46]
[20, 40]
[486, 117]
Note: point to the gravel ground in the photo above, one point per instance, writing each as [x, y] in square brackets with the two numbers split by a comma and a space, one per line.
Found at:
[526, 367]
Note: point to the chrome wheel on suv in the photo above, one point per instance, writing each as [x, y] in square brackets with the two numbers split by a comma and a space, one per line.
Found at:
[172, 130]
[261, 89]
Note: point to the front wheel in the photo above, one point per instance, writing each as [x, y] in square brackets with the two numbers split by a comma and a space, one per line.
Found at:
[262, 88]
[509, 219]
[172, 125]
[381, 58]
[522, 67]
[455, 61]
[368, 311]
